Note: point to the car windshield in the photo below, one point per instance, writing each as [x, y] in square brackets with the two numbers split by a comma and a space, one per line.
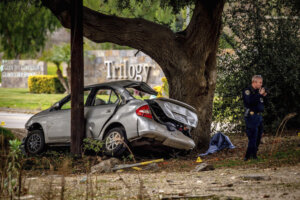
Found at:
[137, 94]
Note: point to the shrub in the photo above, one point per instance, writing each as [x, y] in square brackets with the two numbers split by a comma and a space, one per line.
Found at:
[6, 133]
[268, 43]
[5, 136]
[45, 84]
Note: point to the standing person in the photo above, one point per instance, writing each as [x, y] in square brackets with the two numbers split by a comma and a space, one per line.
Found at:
[253, 97]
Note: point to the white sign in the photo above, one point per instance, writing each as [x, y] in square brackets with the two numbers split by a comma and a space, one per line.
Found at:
[15, 73]
[138, 72]
[19, 74]
[21, 68]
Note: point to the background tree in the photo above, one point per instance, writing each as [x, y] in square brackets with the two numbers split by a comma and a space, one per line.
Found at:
[58, 55]
[267, 43]
[24, 27]
[65, 50]
[187, 57]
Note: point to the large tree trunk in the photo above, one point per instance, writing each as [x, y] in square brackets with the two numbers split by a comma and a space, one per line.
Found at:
[186, 87]
[187, 58]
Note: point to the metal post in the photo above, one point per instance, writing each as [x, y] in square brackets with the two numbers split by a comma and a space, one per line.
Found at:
[77, 107]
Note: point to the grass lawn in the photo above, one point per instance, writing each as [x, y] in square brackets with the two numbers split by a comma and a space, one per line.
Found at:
[21, 98]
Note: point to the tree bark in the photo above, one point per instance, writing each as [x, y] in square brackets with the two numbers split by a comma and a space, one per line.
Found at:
[187, 58]
[69, 76]
[77, 83]
[61, 79]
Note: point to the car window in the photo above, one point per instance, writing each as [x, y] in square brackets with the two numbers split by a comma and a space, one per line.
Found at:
[67, 104]
[113, 97]
[105, 97]
[137, 94]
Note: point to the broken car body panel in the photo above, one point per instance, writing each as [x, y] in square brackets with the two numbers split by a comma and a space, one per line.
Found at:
[178, 111]
[140, 119]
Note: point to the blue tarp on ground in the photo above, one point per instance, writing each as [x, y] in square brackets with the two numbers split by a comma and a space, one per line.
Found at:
[218, 142]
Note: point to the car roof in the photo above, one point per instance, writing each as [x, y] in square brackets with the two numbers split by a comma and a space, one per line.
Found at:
[121, 83]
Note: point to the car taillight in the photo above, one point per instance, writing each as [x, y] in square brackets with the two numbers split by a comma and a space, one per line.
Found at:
[144, 111]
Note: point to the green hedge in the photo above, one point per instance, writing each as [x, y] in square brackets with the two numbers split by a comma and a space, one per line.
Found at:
[45, 84]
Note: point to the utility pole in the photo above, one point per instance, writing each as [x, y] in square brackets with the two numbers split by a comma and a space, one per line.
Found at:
[77, 107]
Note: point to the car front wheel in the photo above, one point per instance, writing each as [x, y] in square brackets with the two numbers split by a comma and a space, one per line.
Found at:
[35, 142]
[115, 142]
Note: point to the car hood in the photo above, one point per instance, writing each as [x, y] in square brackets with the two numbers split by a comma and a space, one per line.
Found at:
[42, 113]
[179, 111]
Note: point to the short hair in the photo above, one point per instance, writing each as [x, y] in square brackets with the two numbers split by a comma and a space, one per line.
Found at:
[256, 77]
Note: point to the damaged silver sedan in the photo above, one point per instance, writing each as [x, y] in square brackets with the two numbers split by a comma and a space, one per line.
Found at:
[116, 113]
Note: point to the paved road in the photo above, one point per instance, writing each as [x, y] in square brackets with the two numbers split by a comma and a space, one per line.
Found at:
[14, 120]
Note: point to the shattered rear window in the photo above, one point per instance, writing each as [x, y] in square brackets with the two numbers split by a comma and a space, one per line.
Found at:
[138, 94]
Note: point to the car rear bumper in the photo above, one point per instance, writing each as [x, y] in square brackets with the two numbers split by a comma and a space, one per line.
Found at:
[151, 129]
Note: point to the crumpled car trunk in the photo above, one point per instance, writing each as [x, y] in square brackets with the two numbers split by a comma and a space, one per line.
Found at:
[172, 112]
[141, 86]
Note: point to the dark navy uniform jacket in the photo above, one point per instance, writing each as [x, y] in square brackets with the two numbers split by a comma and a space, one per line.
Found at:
[253, 100]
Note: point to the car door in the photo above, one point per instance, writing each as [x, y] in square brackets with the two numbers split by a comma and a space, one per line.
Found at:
[103, 106]
[58, 124]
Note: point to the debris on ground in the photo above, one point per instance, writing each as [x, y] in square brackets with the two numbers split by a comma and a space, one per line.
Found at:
[219, 189]
[203, 167]
[256, 177]
[83, 180]
[152, 167]
[105, 166]
[135, 165]
[26, 197]
[180, 196]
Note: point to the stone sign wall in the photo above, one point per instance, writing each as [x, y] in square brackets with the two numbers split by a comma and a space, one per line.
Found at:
[99, 66]
[15, 72]
[111, 65]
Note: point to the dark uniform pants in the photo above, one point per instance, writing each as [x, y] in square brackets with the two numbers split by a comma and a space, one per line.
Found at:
[254, 130]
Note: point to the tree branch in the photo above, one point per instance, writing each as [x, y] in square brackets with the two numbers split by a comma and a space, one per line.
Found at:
[158, 41]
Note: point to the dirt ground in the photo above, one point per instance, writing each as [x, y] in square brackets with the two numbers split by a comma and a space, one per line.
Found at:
[275, 176]
[19, 133]
[270, 183]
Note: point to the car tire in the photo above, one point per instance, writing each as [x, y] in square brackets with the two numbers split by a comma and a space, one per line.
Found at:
[35, 142]
[115, 142]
